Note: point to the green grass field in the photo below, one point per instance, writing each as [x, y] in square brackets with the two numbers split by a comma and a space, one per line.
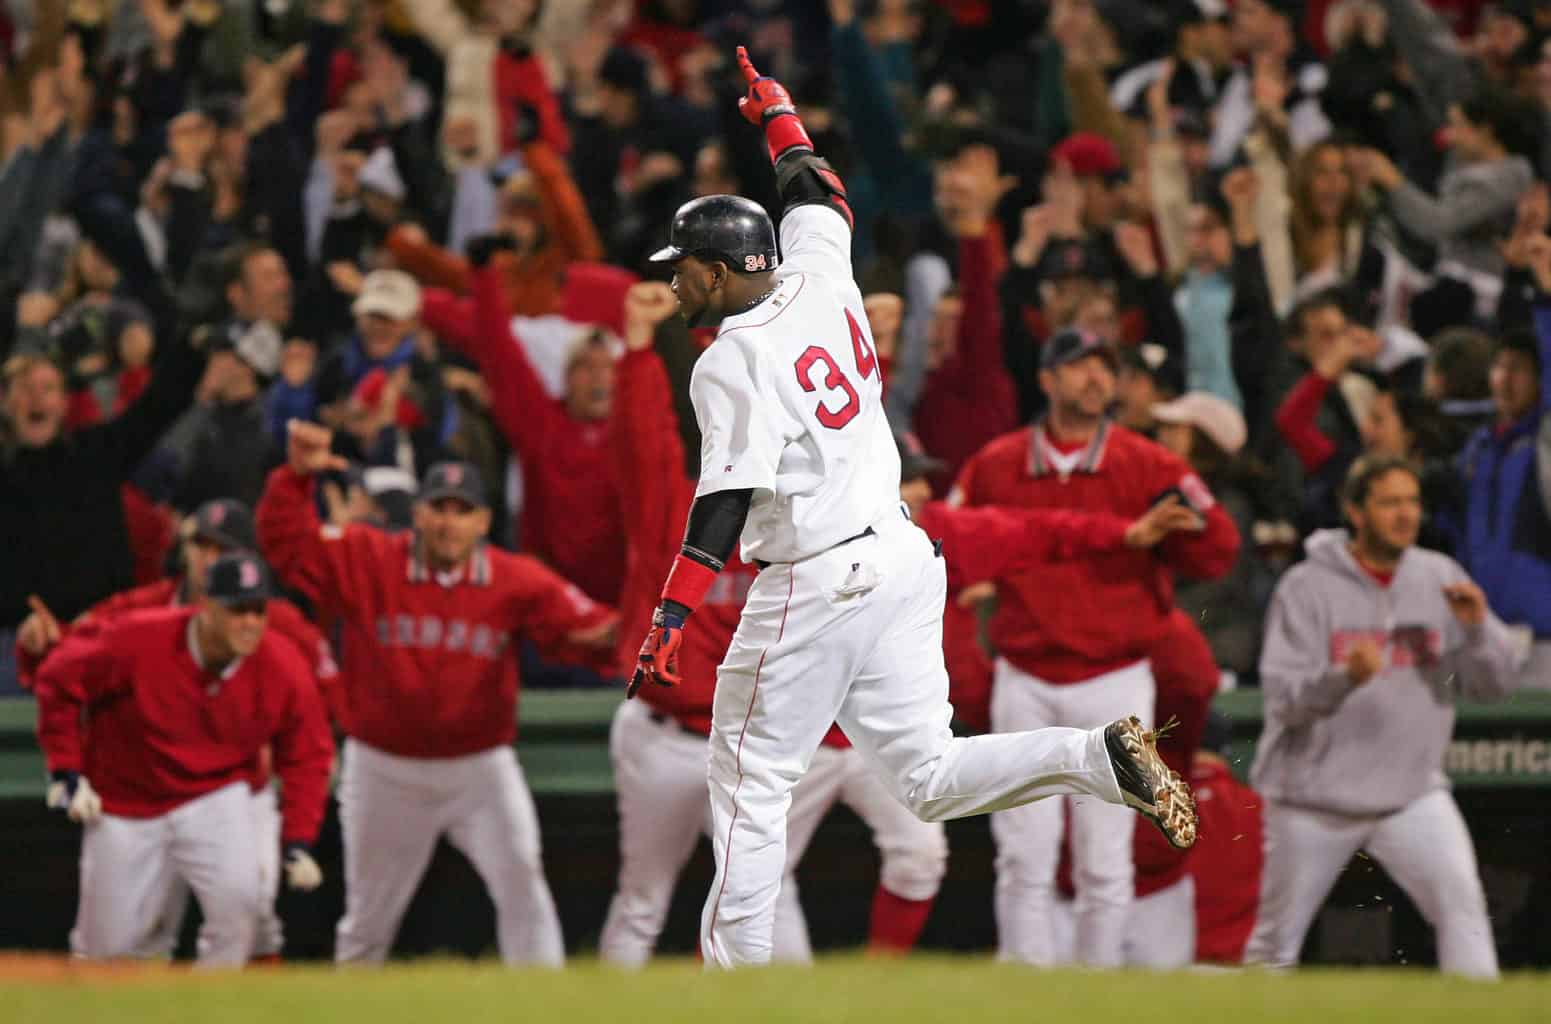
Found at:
[961, 990]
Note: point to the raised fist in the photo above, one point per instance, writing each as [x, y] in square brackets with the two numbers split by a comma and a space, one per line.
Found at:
[307, 448]
[647, 304]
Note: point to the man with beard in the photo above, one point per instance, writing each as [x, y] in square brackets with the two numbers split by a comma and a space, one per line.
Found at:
[1062, 661]
[1369, 643]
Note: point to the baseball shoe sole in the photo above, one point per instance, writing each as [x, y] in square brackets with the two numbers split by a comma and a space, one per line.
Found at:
[1148, 785]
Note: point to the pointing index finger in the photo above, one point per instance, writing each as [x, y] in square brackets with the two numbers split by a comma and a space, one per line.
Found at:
[749, 74]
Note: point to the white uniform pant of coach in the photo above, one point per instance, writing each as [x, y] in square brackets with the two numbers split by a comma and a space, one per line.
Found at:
[1028, 839]
[268, 931]
[127, 867]
[1160, 929]
[392, 811]
[660, 776]
[853, 635]
[1424, 847]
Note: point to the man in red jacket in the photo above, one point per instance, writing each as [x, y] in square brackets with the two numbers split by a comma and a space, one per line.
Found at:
[216, 528]
[428, 621]
[572, 509]
[151, 724]
[1073, 638]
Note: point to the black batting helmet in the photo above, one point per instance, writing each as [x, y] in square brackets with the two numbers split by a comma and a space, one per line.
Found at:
[731, 229]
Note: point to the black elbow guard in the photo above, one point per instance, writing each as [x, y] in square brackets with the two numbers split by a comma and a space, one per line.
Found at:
[804, 177]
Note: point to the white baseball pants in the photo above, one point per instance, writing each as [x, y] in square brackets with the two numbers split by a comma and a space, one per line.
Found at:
[913, 853]
[392, 811]
[1160, 929]
[268, 932]
[1426, 849]
[1028, 839]
[660, 778]
[127, 865]
[853, 635]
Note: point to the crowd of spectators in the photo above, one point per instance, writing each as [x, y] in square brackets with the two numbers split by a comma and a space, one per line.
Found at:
[1314, 229]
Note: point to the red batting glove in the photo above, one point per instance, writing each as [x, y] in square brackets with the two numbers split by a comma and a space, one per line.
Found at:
[659, 658]
[768, 105]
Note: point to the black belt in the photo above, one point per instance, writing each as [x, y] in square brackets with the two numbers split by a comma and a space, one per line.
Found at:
[865, 533]
[663, 719]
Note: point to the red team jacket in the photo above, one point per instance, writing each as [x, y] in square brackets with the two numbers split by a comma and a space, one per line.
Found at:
[1225, 862]
[572, 516]
[127, 706]
[431, 673]
[649, 452]
[285, 620]
[1059, 623]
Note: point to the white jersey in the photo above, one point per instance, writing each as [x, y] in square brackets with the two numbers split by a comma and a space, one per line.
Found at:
[789, 398]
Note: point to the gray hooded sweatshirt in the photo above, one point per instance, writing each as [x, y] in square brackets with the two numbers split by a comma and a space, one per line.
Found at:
[1375, 748]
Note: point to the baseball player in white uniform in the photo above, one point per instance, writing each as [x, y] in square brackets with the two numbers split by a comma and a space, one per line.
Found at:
[844, 621]
[1369, 642]
[658, 744]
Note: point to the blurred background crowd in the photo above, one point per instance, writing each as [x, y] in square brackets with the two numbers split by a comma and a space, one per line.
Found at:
[1322, 226]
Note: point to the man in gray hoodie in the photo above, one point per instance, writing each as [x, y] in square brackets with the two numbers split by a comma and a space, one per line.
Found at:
[1368, 645]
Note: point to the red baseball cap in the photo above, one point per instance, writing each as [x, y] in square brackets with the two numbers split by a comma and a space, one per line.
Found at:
[1089, 155]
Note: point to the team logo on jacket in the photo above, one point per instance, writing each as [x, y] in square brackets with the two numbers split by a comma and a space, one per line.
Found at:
[430, 633]
[1403, 646]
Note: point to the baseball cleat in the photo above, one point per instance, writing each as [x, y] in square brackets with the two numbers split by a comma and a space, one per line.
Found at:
[1148, 785]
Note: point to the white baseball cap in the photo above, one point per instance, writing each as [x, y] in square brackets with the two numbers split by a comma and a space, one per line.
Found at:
[1215, 417]
[390, 293]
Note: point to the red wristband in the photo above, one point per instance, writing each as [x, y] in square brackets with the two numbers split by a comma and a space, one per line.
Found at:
[784, 131]
[688, 582]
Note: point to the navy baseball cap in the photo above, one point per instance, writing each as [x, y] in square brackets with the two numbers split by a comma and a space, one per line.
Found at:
[227, 523]
[454, 480]
[1072, 344]
[239, 578]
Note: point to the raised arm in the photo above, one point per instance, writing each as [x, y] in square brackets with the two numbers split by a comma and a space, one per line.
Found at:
[330, 565]
[525, 412]
[810, 242]
[1431, 48]
[427, 262]
[564, 210]
[644, 430]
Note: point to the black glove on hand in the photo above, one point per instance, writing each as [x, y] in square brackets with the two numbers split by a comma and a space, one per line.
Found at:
[481, 247]
[526, 126]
